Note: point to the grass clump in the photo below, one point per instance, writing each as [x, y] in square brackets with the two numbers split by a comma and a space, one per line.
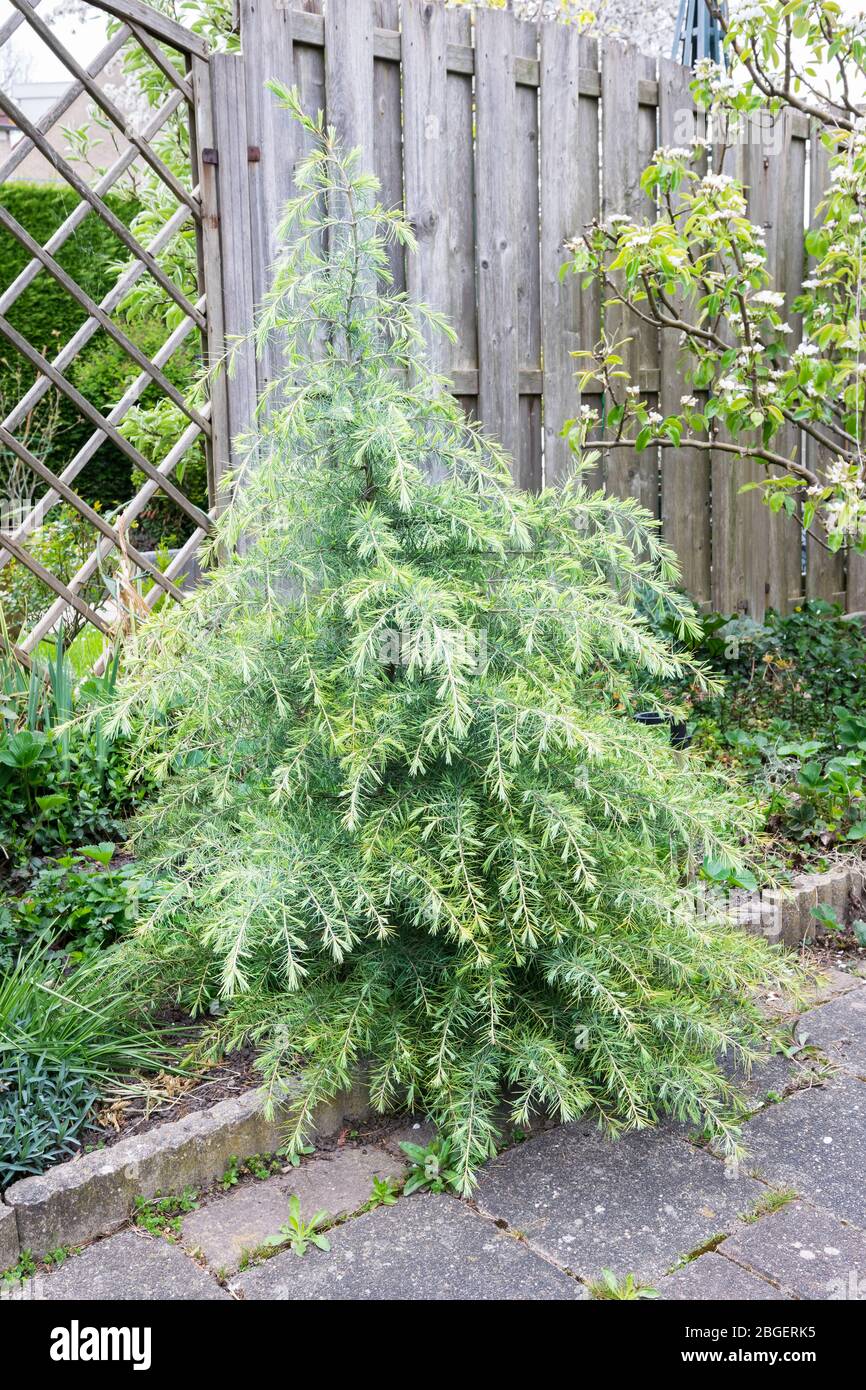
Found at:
[609, 1287]
[62, 1037]
[774, 1200]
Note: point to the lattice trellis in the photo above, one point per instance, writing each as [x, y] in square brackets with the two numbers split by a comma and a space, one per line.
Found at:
[181, 57]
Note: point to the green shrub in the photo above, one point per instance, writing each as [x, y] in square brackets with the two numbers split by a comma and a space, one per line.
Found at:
[72, 905]
[51, 800]
[62, 1037]
[61, 545]
[789, 717]
[155, 424]
[48, 316]
[154, 431]
[101, 372]
[402, 810]
[62, 783]
[92, 1019]
[42, 1111]
[789, 670]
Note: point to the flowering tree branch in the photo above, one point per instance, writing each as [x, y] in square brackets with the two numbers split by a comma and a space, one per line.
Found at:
[700, 271]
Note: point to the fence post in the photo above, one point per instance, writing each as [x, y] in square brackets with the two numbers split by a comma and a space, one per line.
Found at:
[210, 276]
[230, 134]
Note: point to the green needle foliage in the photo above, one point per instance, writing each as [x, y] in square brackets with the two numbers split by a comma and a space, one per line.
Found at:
[404, 811]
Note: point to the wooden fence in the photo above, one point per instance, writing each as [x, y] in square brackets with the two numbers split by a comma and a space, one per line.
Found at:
[502, 139]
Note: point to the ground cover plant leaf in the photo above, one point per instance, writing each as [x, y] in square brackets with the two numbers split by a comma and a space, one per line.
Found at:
[790, 721]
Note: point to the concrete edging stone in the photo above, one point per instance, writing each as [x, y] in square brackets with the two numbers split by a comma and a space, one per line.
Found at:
[93, 1194]
[784, 915]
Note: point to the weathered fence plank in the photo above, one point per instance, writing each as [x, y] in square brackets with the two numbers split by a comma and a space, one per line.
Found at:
[644, 471]
[219, 444]
[349, 28]
[785, 169]
[685, 473]
[229, 106]
[563, 214]
[526, 199]
[309, 62]
[461, 304]
[271, 144]
[427, 155]
[742, 524]
[825, 572]
[756, 555]
[496, 230]
[588, 184]
[388, 132]
[620, 157]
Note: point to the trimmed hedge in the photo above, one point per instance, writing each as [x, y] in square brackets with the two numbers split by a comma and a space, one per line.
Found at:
[48, 317]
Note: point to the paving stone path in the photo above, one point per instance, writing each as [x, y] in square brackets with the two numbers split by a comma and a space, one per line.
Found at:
[552, 1212]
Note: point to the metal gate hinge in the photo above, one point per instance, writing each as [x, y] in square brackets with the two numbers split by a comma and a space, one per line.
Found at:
[254, 154]
[210, 156]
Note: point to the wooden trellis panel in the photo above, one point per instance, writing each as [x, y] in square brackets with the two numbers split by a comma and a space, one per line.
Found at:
[181, 57]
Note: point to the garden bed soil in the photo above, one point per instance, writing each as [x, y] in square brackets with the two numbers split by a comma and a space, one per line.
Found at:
[166, 1097]
[145, 1102]
[150, 1101]
[839, 951]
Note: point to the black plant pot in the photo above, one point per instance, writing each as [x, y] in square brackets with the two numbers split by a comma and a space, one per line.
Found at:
[680, 736]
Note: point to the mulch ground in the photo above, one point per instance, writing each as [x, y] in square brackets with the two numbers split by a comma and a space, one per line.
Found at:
[839, 950]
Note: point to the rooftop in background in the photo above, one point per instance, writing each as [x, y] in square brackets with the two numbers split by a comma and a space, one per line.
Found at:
[82, 28]
[34, 99]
